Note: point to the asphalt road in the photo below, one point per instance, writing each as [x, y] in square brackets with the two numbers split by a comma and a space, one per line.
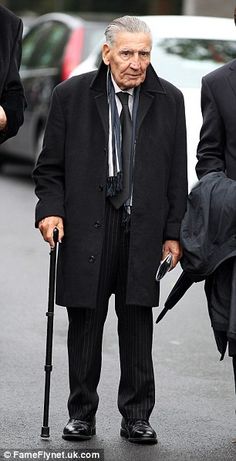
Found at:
[194, 414]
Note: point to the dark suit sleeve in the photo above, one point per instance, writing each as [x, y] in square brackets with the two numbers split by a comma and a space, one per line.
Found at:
[178, 185]
[12, 98]
[49, 171]
[210, 151]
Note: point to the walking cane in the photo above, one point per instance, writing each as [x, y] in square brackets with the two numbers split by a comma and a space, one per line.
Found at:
[45, 432]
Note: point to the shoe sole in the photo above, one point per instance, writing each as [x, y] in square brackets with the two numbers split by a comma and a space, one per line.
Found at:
[147, 440]
[79, 437]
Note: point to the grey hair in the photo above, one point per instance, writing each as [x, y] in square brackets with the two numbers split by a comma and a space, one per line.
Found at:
[125, 24]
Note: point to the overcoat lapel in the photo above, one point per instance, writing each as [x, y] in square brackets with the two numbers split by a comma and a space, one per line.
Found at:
[98, 87]
[149, 88]
[145, 102]
[102, 107]
[232, 76]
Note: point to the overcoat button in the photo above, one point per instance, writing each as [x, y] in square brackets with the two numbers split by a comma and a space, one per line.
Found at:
[97, 224]
[101, 187]
[92, 259]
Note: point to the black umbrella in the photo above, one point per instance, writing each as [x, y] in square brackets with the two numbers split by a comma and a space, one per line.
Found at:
[183, 283]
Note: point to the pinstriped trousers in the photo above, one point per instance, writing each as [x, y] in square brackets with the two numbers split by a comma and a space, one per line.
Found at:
[136, 394]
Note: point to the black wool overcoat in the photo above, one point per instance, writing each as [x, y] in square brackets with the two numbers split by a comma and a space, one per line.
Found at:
[12, 97]
[216, 150]
[70, 179]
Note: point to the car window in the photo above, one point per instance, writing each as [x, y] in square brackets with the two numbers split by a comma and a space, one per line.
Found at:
[184, 61]
[93, 34]
[43, 45]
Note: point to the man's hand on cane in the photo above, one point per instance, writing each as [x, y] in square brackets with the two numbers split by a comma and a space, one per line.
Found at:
[46, 227]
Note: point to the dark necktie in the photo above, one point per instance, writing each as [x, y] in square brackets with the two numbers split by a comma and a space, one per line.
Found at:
[126, 129]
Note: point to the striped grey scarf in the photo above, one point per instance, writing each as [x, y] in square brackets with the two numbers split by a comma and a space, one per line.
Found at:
[115, 176]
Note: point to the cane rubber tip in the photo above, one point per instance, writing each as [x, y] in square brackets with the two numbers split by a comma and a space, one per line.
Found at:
[45, 432]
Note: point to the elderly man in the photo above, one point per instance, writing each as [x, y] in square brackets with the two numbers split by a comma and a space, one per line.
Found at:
[12, 100]
[112, 178]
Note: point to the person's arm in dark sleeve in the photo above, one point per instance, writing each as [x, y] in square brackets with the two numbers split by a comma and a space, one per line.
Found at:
[178, 183]
[13, 99]
[177, 188]
[49, 173]
[210, 151]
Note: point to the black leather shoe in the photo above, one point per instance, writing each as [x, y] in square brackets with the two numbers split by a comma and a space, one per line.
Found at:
[138, 431]
[77, 429]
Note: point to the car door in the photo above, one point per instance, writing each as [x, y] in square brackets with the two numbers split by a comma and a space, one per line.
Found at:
[42, 52]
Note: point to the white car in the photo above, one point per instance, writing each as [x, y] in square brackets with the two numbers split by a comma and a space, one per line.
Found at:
[185, 48]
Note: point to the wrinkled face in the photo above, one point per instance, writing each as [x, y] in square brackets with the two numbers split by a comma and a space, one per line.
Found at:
[128, 58]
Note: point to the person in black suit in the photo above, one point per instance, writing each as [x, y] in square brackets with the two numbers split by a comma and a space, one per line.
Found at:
[112, 177]
[12, 99]
[217, 152]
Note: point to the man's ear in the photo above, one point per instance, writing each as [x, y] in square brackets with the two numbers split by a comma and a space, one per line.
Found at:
[106, 54]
